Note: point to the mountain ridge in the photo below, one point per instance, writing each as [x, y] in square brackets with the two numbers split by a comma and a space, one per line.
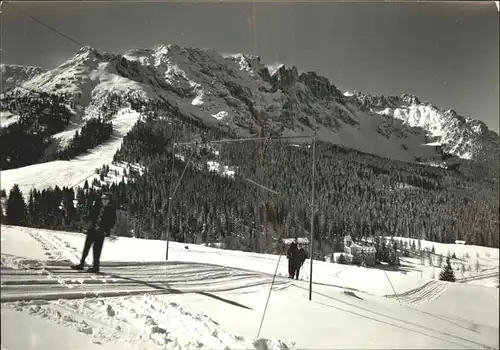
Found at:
[239, 93]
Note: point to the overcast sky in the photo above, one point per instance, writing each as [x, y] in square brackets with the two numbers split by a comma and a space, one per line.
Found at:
[445, 53]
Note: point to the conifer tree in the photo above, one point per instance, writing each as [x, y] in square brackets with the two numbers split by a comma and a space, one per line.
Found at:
[447, 273]
[16, 207]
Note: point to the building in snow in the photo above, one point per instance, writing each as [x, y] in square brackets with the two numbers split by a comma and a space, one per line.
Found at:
[358, 254]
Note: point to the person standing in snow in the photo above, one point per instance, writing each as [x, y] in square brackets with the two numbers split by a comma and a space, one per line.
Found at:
[99, 222]
[301, 258]
[291, 254]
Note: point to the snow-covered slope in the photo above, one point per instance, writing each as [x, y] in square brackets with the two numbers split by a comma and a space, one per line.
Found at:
[14, 75]
[237, 92]
[211, 298]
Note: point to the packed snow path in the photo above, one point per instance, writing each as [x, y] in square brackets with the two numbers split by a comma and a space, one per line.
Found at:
[52, 280]
[58, 281]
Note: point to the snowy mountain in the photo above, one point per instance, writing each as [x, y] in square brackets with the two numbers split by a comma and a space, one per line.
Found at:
[238, 93]
[458, 135]
[14, 75]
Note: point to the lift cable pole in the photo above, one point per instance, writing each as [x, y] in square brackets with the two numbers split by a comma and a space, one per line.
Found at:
[171, 196]
[311, 240]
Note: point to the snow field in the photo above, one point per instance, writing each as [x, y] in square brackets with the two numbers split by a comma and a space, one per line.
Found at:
[432, 314]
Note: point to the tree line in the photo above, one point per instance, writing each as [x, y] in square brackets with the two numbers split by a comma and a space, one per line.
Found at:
[51, 208]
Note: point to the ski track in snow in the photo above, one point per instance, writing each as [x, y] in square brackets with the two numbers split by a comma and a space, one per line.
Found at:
[427, 292]
[61, 282]
[55, 280]
[53, 291]
[54, 247]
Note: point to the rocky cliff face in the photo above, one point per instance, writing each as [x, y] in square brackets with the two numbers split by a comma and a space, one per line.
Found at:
[241, 94]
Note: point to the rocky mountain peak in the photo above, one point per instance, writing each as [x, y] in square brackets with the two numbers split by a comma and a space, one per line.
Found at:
[285, 77]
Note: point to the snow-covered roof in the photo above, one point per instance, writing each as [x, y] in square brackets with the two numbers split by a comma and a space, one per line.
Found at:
[364, 249]
[300, 240]
[369, 250]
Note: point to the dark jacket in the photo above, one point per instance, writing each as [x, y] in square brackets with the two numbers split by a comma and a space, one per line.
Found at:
[292, 252]
[101, 218]
[90, 219]
[301, 255]
[106, 220]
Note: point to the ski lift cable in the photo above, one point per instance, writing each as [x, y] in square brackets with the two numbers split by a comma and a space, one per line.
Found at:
[396, 294]
[171, 195]
[83, 180]
[262, 201]
[182, 175]
[247, 139]
[46, 25]
[269, 296]
[277, 138]
[247, 181]
[262, 186]
[300, 187]
[58, 32]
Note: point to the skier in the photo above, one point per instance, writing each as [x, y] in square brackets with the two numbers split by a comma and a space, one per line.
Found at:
[291, 254]
[301, 258]
[98, 224]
